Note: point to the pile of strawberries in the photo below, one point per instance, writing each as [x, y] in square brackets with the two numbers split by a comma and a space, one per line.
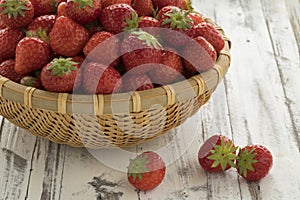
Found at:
[216, 154]
[103, 46]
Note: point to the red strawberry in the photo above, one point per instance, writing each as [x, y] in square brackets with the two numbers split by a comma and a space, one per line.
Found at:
[9, 38]
[102, 47]
[143, 7]
[32, 82]
[7, 69]
[113, 18]
[168, 70]
[61, 75]
[44, 7]
[41, 27]
[182, 25]
[149, 24]
[83, 11]
[146, 171]
[31, 54]
[199, 55]
[141, 52]
[217, 154]
[106, 3]
[136, 82]
[254, 162]
[68, 38]
[101, 79]
[162, 3]
[211, 35]
[196, 17]
[16, 13]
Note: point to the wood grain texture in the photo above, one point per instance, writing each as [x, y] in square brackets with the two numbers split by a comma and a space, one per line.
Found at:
[257, 102]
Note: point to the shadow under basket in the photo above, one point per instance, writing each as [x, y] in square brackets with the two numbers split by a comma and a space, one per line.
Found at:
[116, 120]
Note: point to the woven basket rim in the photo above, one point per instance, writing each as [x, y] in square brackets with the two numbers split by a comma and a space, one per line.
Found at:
[115, 103]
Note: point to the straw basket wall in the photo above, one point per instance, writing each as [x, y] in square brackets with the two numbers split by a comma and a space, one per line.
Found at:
[98, 121]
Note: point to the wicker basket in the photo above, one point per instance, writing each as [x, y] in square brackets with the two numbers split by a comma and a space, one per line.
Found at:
[98, 121]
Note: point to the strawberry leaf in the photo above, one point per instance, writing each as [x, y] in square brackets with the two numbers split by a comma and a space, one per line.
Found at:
[13, 8]
[62, 66]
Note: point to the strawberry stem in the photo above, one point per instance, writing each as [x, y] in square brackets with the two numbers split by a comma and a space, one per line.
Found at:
[245, 161]
[149, 39]
[137, 166]
[13, 8]
[178, 19]
[84, 3]
[133, 23]
[62, 66]
[223, 154]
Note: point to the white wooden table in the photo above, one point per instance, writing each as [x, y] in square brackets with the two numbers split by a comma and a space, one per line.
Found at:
[258, 102]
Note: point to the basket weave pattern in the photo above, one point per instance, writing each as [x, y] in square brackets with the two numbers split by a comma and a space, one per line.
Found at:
[97, 121]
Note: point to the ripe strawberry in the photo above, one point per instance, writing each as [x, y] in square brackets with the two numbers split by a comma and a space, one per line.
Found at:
[162, 3]
[9, 38]
[113, 18]
[41, 27]
[106, 3]
[61, 75]
[211, 35]
[136, 82]
[217, 154]
[196, 17]
[149, 24]
[102, 47]
[199, 55]
[32, 82]
[44, 7]
[68, 38]
[146, 171]
[83, 11]
[254, 162]
[143, 7]
[16, 13]
[101, 79]
[168, 70]
[141, 52]
[31, 54]
[7, 69]
[179, 22]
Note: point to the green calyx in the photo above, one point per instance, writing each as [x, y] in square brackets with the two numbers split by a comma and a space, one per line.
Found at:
[137, 166]
[13, 8]
[149, 39]
[246, 161]
[42, 34]
[223, 154]
[178, 19]
[133, 23]
[84, 3]
[62, 66]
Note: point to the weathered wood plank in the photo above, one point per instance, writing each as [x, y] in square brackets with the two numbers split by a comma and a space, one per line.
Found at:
[256, 98]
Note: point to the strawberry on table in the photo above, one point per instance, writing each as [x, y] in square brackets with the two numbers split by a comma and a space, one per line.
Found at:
[106, 3]
[113, 18]
[7, 69]
[61, 75]
[9, 38]
[207, 31]
[101, 79]
[16, 13]
[168, 70]
[146, 171]
[217, 154]
[31, 54]
[254, 162]
[143, 7]
[67, 37]
[83, 11]
[102, 47]
[199, 55]
[141, 52]
[177, 20]
[136, 82]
